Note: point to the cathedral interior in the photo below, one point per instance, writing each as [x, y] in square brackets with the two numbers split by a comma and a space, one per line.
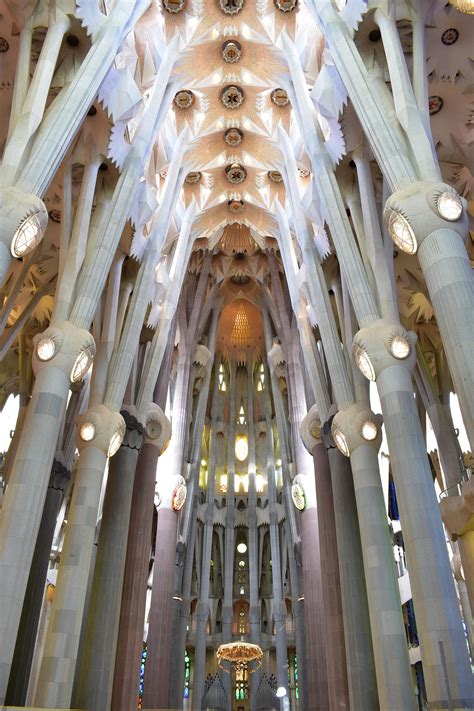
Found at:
[237, 355]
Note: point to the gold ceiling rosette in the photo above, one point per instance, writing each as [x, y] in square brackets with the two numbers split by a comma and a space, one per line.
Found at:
[240, 655]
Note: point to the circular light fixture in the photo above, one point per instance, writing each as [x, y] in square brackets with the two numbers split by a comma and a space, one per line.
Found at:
[449, 206]
[28, 234]
[231, 7]
[174, 6]
[275, 176]
[203, 463]
[298, 497]
[233, 137]
[450, 36]
[193, 177]
[235, 173]
[401, 232]
[179, 497]
[281, 692]
[363, 362]
[242, 548]
[87, 432]
[286, 5]
[435, 104]
[369, 430]
[82, 364]
[241, 563]
[279, 97]
[400, 347]
[340, 440]
[231, 51]
[184, 99]
[303, 172]
[115, 442]
[45, 349]
[240, 655]
[235, 206]
[232, 96]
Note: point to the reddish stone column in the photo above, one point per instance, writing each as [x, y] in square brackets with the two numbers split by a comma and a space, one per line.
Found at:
[315, 629]
[331, 585]
[156, 693]
[132, 613]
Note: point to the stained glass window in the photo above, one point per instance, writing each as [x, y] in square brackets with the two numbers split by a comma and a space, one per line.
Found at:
[187, 674]
[142, 676]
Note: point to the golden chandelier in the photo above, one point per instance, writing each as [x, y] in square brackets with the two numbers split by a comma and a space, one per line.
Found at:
[240, 655]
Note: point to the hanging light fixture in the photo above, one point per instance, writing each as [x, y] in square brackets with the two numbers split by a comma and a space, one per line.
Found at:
[239, 656]
[466, 6]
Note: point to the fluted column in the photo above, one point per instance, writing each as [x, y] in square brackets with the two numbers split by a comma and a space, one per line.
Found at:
[359, 652]
[229, 533]
[329, 562]
[137, 562]
[25, 643]
[56, 676]
[202, 611]
[100, 642]
[157, 685]
[188, 528]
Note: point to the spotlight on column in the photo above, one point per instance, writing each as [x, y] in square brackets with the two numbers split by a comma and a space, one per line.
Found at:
[45, 349]
[87, 432]
[242, 548]
[449, 206]
[340, 440]
[363, 362]
[28, 235]
[281, 692]
[369, 430]
[400, 231]
[115, 442]
[82, 364]
[400, 347]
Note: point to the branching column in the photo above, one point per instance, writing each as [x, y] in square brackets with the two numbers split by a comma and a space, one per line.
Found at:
[159, 642]
[227, 607]
[202, 611]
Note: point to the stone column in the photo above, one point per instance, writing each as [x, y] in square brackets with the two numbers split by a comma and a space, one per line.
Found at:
[100, 642]
[188, 532]
[458, 517]
[359, 652]
[137, 562]
[96, 430]
[202, 611]
[279, 607]
[157, 686]
[331, 583]
[229, 532]
[435, 221]
[385, 352]
[24, 499]
[25, 643]
[388, 640]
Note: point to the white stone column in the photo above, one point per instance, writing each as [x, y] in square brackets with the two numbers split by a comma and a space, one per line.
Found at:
[24, 499]
[97, 430]
[385, 353]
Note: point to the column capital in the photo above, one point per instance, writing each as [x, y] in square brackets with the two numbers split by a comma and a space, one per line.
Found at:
[356, 426]
[23, 220]
[381, 345]
[420, 209]
[66, 348]
[311, 429]
[457, 512]
[101, 428]
[157, 428]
